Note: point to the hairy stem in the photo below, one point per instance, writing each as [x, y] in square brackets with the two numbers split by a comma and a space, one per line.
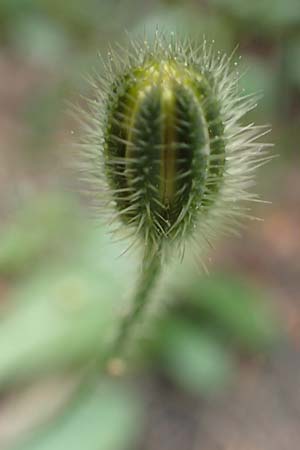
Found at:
[151, 267]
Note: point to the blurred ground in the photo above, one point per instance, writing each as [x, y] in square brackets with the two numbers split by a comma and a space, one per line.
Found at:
[261, 409]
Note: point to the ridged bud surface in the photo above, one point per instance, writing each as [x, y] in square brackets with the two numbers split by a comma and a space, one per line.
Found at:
[164, 147]
[164, 138]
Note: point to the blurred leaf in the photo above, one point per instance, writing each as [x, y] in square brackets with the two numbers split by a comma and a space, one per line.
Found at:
[232, 307]
[39, 39]
[104, 417]
[11, 8]
[194, 358]
[260, 78]
[56, 322]
[263, 15]
[40, 227]
[294, 61]
[87, 18]
[42, 115]
[187, 22]
[66, 312]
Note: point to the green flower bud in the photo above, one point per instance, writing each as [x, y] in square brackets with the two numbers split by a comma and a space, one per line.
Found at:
[164, 139]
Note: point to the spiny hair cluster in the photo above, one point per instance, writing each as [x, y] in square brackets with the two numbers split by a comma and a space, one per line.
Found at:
[164, 150]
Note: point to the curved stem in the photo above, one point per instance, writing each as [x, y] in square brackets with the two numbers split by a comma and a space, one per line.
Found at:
[151, 267]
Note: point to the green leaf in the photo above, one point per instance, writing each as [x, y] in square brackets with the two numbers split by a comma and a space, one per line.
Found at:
[259, 77]
[41, 227]
[66, 312]
[56, 321]
[194, 358]
[231, 307]
[185, 22]
[294, 61]
[264, 15]
[41, 39]
[102, 417]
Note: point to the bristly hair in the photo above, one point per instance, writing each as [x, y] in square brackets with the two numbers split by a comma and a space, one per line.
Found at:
[164, 154]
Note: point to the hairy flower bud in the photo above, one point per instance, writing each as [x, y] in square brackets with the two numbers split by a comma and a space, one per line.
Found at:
[165, 140]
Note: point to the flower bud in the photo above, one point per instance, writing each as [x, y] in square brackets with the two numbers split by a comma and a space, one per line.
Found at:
[169, 147]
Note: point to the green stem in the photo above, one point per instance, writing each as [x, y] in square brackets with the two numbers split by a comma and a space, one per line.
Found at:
[151, 267]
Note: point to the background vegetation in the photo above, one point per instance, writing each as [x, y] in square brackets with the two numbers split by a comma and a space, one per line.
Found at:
[218, 367]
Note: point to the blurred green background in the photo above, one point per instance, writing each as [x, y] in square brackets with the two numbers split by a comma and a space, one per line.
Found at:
[218, 365]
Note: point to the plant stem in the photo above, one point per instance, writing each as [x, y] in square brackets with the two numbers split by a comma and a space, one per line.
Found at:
[151, 267]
